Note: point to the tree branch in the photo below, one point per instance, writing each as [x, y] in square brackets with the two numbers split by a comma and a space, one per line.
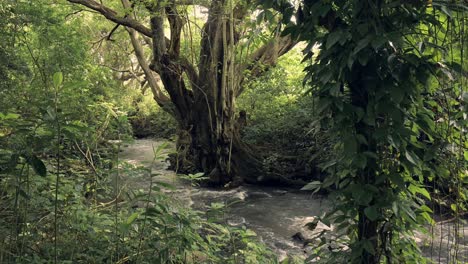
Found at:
[158, 95]
[131, 75]
[112, 32]
[190, 70]
[162, 99]
[79, 11]
[159, 42]
[266, 56]
[176, 23]
[113, 16]
[204, 3]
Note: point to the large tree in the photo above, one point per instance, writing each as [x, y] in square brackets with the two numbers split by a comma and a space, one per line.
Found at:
[201, 96]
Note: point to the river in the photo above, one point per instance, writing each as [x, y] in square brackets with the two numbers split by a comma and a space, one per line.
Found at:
[275, 214]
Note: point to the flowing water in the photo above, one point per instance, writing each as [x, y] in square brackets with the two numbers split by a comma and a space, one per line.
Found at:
[275, 214]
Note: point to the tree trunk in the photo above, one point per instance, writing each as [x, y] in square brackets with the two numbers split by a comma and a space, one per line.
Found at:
[209, 137]
[201, 100]
[217, 150]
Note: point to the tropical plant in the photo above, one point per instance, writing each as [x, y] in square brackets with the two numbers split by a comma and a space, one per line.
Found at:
[390, 77]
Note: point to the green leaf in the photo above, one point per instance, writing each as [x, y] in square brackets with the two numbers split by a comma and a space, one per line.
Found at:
[363, 58]
[268, 16]
[446, 11]
[58, 79]
[132, 218]
[394, 141]
[363, 28]
[335, 89]
[425, 208]
[312, 186]
[426, 123]
[378, 42]
[350, 61]
[327, 164]
[453, 207]
[328, 182]
[428, 218]
[362, 44]
[350, 146]
[371, 213]
[260, 17]
[360, 160]
[421, 47]
[325, 77]
[443, 172]
[397, 94]
[152, 211]
[397, 179]
[157, 151]
[416, 189]
[362, 139]
[361, 196]
[37, 165]
[395, 208]
[333, 38]
[410, 213]
[367, 245]
[322, 105]
[51, 115]
[413, 158]
[9, 116]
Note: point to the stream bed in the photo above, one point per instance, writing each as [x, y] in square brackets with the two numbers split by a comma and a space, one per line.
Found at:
[275, 214]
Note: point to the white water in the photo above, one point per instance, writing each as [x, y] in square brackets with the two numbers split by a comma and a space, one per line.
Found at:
[275, 214]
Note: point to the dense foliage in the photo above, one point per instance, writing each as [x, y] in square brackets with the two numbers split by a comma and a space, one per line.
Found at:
[390, 78]
[375, 117]
[61, 116]
[281, 120]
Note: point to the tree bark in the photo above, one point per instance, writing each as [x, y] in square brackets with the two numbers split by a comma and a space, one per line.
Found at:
[202, 99]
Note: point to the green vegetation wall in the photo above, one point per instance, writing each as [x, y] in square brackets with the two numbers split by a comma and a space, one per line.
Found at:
[390, 79]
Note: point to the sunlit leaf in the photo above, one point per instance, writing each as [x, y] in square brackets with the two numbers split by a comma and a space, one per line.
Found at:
[58, 79]
[132, 218]
[312, 186]
[411, 157]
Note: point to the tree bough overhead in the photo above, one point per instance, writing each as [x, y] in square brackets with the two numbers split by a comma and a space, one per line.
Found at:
[201, 96]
